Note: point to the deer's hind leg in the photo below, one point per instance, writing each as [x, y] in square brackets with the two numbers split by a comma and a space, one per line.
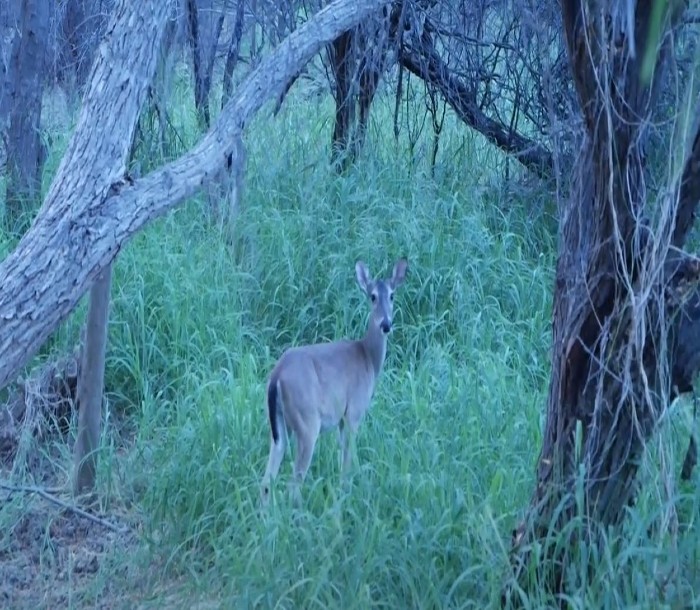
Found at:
[306, 442]
[345, 438]
[274, 461]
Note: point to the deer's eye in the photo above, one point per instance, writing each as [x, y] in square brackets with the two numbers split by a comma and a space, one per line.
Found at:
[373, 297]
[391, 296]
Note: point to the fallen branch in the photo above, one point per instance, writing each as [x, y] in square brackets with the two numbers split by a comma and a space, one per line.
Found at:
[47, 494]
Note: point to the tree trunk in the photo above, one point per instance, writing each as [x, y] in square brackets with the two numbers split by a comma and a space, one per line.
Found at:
[612, 374]
[378, 36]
[203, 56]
[343, 66]
[91, 385]
[25, 154]
[224, 192]
[82, 27]
[200, 98]
[9, 19]
[358, 60]
[91, 209]
[234, 51]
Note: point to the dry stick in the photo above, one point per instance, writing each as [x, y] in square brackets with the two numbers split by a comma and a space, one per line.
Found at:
[51, 498]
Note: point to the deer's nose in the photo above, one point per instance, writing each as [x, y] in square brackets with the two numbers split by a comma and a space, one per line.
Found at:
[385, 326]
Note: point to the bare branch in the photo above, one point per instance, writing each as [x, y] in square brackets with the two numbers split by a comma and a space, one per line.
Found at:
[425, 63]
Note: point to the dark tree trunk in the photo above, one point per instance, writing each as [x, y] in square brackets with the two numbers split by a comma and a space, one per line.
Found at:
[358, 61]
[25, 153]
[379, 36]
[82, 27]
[9, 19]
[234, 51]
[203, 56]
[612, 376]
[92, 209]
[370, 76]
[343, 66]
[200, 101]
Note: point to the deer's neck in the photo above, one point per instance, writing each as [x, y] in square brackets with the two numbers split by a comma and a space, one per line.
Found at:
[374, 343]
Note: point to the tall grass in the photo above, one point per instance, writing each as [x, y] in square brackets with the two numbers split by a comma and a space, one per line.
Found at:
[445, 458]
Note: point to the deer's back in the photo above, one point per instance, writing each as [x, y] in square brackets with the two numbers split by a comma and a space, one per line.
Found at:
[326, 377]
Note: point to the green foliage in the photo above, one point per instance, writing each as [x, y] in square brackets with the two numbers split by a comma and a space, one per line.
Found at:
[445, 458]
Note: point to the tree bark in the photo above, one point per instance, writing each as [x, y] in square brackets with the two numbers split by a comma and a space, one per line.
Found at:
[91, 385]
[25, 154]
[615, 312]
[203, 56]
[234, 51]
[9, 18]
[358, 60]
[343, 65]
[82, 26]
[197, 67]
[91, 209]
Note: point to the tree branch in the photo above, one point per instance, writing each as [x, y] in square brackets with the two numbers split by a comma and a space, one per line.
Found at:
[427, 64]
[87, 218]
[47, 494]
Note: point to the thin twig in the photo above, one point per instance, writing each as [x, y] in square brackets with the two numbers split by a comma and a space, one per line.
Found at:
[52, 498]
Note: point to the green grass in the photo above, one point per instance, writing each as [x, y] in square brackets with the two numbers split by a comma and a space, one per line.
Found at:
[445, 458]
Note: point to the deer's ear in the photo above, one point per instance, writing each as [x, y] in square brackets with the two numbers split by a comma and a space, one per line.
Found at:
[363, 277]
[399, 274]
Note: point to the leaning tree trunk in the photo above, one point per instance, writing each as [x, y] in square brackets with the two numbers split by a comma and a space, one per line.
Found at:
[25, 152]
[420, 57]
[92, 207]
[614, 303]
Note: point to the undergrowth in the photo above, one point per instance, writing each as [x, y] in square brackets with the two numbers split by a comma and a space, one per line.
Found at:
[445, 458]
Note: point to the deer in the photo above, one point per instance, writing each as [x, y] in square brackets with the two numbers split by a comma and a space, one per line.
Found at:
[315, 388]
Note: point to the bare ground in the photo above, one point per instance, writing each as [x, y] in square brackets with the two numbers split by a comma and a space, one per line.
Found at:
[50, 555]
[52, 558]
